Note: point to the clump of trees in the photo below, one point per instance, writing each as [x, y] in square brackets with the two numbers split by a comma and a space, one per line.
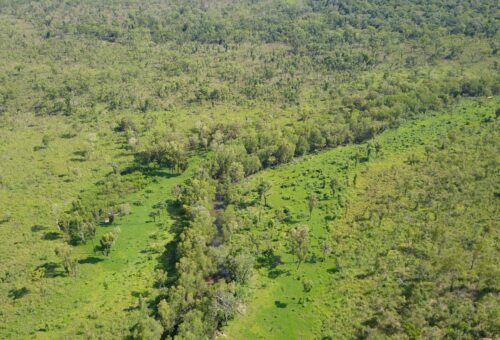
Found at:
[76, 228]
[164, 150]
[209, 274]
[108, 240]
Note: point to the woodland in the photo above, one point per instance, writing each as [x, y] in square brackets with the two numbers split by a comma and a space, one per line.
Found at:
[249, 169]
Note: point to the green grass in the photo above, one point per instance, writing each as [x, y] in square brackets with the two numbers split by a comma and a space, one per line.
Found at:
[108, 290]
[213, 71]
[37, 184]
[103, 298]
[278, 307]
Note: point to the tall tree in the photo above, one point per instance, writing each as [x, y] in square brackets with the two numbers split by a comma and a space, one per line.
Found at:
[69, 263]
[299, 243]
[263, 189]
[312, 202]
[334, 186]
[108, 241]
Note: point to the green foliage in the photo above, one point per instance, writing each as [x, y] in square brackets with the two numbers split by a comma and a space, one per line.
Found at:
[69, 263]
[312, 203]
[431, 266]
[299, 243]
[167, 315]
[400, 252]
[224, 305]
[78, 230]
[241, 267]
[98, 99]
[166, 151]
[334, 186]
[262, 190]
[307, 284]
[108, 241]
[147, 329]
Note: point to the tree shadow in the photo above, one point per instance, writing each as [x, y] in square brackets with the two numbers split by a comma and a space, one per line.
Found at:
[4, 220]
[485, 291]
[74, 159]
[312, 259]
[98, 248]
[80, 156]
[413, 251]
[150, 302]
[51, 236]
[90, 260]
[333, 270]
[364, 276]
[290, 220]
[245, 204]
[130, 309]
[18, 293]
[168, 259]
[149, 171]
[51, 269]
[177, 213]
[280, 304]
[36, 228]
[67, 135]
[174, 209]
[372, 322]
[277, 272]
[268, 260]
[149, 251]
[329, 218]
[135, 293]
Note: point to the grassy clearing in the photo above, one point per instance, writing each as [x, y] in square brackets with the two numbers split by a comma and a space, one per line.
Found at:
[103, 300]
[38, 181]
[108, 288]
[279, 307]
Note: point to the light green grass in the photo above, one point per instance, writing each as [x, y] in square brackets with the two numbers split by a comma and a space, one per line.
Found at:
[38, 185]
[104, 297]
[107, 292]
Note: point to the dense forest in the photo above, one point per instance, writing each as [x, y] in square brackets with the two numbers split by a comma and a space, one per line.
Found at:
[249, 169]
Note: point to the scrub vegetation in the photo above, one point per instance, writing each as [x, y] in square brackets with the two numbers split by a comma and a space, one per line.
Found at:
[249, 169]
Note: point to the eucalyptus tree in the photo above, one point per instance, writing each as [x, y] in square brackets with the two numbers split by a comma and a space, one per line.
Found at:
[299, 243]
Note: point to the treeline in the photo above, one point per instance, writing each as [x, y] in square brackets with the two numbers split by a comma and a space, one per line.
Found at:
[241, 149]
